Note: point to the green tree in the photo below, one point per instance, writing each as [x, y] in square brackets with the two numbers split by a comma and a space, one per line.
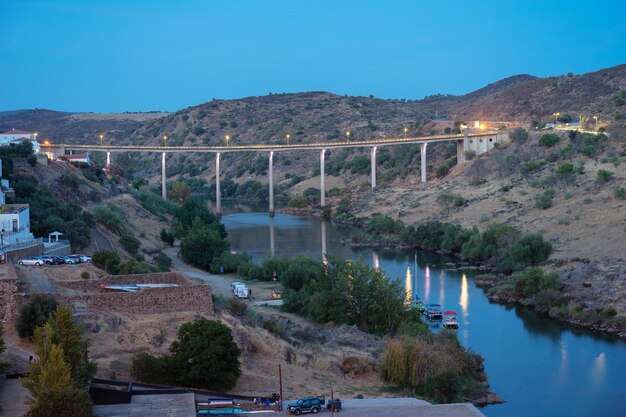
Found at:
[70, 338]
[53, 391]
[203, 355]
[202, 245]
[34, 313]
[181, 192]
[107, 260]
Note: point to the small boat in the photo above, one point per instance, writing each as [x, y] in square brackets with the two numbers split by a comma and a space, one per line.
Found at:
[433, 312]
[419, 305]
[449, 320]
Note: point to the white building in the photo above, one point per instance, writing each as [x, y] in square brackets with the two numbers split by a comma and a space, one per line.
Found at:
[82, 158]
[14, 219]
[18, 136]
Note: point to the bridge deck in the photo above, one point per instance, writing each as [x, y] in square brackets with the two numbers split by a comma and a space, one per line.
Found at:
[270, 147]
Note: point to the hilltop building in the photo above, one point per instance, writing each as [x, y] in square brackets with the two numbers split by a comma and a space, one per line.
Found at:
[18, 136]
[14, 218]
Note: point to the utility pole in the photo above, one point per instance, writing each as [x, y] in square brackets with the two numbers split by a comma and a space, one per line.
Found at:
[280, 379]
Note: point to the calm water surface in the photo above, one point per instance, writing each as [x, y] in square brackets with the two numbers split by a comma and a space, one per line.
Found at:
[540, 367]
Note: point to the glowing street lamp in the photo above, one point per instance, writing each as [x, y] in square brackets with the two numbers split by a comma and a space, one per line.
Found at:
[556, 115]
[227, 137]
[36, 136]
[348, 136]
[101, 139]
[47, 143]
[287, 136]
[164, 140]
[595, 123]
[405, 131]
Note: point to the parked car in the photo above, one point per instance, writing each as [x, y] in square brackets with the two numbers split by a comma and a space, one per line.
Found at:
[68, 259]
[307, 405]
[81, 258]
[35, 261]
[52, 260]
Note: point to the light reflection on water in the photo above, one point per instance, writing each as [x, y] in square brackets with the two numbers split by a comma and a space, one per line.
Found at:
[540, 367]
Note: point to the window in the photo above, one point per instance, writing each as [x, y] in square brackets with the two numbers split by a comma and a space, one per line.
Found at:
[15, 225]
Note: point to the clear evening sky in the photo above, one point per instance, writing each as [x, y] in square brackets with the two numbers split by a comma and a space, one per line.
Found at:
[121, 55]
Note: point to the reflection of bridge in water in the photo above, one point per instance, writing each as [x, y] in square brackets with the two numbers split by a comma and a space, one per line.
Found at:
[478, 142]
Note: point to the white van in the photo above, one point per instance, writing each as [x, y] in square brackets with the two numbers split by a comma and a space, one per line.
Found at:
[235, 284]
[241, 291]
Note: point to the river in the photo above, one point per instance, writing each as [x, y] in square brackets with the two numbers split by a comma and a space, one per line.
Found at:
[540, 367]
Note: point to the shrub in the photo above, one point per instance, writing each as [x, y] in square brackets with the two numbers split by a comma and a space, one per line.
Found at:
[565, 168]
[530, 166]
[163, 262]
[534, 279]
[519, 135]
[448, 199]
[620, 193]
[298, 202]
[549, 140]
[34, 313]
[130, 243]
[564, 118]
[85, 275]
[111, 217]
[167, 237]
[107, 260]
[543, 201]
[603, 176]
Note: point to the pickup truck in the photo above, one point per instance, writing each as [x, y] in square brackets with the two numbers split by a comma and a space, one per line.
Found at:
[307, 405]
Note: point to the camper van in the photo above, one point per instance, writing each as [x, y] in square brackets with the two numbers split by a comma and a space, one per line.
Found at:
[240, 291]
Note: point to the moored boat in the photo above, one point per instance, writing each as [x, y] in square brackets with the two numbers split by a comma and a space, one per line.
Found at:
[433, 311]
[449, 320]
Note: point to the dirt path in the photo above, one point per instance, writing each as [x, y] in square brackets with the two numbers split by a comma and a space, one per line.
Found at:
[219, 285]
[100, 240]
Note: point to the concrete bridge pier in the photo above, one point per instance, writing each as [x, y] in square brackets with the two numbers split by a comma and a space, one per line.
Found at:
[322, 186]
[163, 188]
[218, 189]
[423, 160]
[373, 163]
[271, 184]
[460, 151]
[108, 161]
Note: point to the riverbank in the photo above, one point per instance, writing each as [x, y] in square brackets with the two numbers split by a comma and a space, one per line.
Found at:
[591, 296]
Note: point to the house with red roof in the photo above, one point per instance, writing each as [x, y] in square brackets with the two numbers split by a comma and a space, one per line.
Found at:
[19, 136]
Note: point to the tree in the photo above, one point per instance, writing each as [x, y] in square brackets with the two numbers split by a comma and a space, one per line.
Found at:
[50, 383]
[69, 337]
[203, 355]
[181, 191]
[107, 260]
[202, 245]
[34, 313]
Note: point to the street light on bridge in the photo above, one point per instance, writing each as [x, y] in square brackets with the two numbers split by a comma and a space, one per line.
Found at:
[164, 140]
[348, 136]
[405, 131]
[227, 137]
[101, 139]
[556, 116]
[287, 136]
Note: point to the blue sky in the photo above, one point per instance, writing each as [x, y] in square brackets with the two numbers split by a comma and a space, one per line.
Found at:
[166, 55]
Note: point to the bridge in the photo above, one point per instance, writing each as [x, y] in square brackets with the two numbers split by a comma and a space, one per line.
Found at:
[479, 142]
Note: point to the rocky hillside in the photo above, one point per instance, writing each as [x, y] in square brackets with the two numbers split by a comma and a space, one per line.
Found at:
[591, 94]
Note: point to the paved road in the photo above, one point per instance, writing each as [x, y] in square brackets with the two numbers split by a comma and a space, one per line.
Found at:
[219, 284]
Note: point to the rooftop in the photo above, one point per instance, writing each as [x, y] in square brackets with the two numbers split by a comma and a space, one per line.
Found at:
[13, 208]
[16, 132]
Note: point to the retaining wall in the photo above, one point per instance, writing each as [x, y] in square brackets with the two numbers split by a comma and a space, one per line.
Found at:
[8, 293]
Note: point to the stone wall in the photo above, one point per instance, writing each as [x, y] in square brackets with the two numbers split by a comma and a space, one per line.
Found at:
[149, 300]
[187, 297]
[8, 292]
